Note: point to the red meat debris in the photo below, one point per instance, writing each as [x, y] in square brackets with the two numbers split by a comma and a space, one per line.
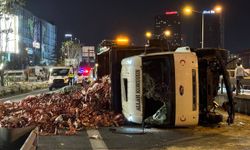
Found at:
[87, 107]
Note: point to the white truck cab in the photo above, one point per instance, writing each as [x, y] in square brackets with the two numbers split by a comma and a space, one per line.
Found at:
[58, 77]
[167, 78]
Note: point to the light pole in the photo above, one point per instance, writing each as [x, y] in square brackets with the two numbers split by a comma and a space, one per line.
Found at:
[189, 10]
[148, 36]
[167, 34]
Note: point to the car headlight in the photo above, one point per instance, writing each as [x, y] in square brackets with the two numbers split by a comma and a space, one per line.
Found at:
[50, 81]
[66, 80]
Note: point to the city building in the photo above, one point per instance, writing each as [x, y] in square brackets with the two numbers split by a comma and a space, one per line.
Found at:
[213, 30]
[26, 40]
[88, 56]
[168, 28]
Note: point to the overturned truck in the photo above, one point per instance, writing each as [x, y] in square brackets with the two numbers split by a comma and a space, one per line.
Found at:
[174, 88]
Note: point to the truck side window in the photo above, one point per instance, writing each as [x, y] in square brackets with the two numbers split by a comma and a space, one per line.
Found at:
[125, 81]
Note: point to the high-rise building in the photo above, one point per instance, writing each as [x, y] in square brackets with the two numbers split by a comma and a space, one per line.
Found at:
[26, 40]
[213, 31]
[170, 22]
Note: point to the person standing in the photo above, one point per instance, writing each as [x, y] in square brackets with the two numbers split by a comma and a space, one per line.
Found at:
[239, 75]
[71, 75]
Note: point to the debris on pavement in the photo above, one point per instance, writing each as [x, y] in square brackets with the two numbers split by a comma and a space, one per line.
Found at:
[86, 107]
[95, 136]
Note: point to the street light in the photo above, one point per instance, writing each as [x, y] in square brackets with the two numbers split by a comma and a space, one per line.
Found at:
[148, 36]
[188, 11]
[122, 41]
[167, 33]
[218, 9]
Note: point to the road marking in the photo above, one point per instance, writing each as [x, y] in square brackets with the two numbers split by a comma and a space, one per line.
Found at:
[96, 140]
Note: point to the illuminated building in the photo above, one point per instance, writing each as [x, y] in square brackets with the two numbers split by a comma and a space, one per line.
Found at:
[30, 40]
[169, 21]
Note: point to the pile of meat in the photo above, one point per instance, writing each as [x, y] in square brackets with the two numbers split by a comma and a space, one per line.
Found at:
[63, 112]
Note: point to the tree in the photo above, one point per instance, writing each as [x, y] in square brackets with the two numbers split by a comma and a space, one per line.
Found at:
[71, 50]
[7, 7]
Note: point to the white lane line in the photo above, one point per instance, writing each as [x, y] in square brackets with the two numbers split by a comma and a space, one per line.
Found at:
[96, 140]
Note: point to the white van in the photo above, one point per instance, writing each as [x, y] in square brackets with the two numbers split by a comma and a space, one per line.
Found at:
[15, 75]
[36, 73]
[58, 77]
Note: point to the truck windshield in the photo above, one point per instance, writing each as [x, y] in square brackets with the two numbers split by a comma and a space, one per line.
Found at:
[60, 72]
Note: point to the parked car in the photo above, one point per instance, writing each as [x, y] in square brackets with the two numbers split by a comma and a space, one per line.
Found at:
[36, 73]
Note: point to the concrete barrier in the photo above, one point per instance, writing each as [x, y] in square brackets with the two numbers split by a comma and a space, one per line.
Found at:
[242, 102]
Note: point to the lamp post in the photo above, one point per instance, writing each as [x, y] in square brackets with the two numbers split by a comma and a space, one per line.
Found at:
[189, 10]
[148, 36]
[167, 34]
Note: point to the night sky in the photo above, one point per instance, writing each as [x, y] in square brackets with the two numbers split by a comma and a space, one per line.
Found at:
[94, 20]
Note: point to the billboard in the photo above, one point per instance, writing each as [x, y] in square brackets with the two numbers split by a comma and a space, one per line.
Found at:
[9, 34]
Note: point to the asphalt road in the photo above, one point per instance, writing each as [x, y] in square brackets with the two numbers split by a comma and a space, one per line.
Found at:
[221, 136]
[217, 137]
[19, 97]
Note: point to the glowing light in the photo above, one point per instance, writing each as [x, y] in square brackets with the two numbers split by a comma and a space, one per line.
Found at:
[148, 35]
[171, 12]
[122, 40]
[218, 9]
[68, 35]
[188, 10]
[167, 33]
